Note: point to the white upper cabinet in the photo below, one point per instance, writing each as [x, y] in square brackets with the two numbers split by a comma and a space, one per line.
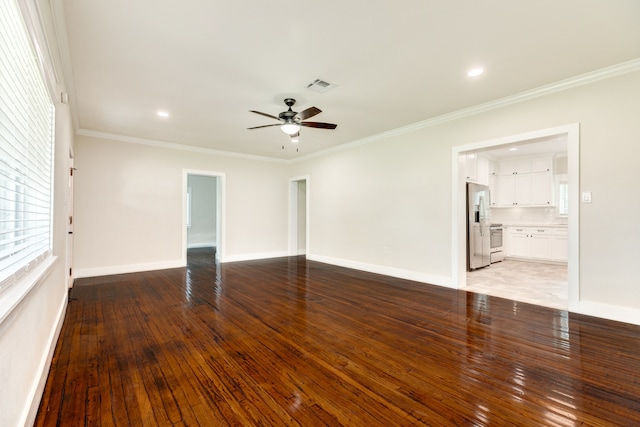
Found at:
[482, 170]
[471, 166]
[542, 189]
[515, 166]
[526, 182]
[493, 182]
[477, 168]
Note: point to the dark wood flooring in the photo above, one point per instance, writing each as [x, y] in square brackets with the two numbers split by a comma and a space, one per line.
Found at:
[289, 342]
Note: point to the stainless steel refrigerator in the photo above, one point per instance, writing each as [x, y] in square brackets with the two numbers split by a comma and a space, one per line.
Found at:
[478, 234]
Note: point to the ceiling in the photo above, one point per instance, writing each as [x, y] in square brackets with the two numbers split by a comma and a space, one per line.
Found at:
[207, 63]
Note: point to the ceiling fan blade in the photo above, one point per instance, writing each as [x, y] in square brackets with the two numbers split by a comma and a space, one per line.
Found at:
[265, 126]
[264, 114]
[319, 125]
[309, 112]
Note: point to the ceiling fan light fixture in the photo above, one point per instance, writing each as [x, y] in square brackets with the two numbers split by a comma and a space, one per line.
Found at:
[290, 128]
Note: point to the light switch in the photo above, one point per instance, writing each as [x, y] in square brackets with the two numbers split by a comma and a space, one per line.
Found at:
[586, 197]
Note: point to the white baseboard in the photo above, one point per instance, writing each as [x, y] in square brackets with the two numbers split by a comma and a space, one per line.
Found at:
[605, 311]
[29, 416]
[251, 257]
[416, 276]
[130, 268]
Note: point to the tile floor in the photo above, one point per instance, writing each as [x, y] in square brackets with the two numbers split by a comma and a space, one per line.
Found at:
[532, 282]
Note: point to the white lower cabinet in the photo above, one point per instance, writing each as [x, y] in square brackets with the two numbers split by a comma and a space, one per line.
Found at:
[537, 243]
[560, 245]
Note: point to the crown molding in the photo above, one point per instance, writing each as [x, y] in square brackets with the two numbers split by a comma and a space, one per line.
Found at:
[174, 146]
[580, 80]
[562, 85]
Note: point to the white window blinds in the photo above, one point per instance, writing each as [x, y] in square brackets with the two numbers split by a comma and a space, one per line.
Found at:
[26, 151]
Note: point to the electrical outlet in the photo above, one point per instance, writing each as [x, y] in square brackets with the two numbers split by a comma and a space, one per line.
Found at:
[586, 197]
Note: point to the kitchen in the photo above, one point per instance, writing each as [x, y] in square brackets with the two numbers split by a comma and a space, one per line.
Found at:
[517, 214]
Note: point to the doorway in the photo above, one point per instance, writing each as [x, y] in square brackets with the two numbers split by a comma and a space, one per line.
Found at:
[571, 134]
[299, 216]
[203, 196]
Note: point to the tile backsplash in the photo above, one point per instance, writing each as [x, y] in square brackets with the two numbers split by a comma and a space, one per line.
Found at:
[529, 215]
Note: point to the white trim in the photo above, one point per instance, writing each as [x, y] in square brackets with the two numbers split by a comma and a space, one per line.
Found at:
[580, 80]
[255, 256]
[173, 146]
[37, 390]
[605, 311]
[384, 270]
[458, 220]
[293, 215]
[35, 29]
[583, 79]
[14, 295]
[221, 209]
[129, 268]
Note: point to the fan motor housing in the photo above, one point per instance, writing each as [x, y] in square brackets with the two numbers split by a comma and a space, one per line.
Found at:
[290, 114]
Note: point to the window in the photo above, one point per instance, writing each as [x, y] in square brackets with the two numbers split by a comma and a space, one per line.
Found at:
[26, 151]
[563, 198]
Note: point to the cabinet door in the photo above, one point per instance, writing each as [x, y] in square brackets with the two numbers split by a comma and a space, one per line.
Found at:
[541, 244]
[493, 168]
[507, 193]
[560, 246]
[541, 164]
[482, 170]
[523, 189]
[519, 243]
[494, 190]
[541, 189]
[515, 166]
[472, 167]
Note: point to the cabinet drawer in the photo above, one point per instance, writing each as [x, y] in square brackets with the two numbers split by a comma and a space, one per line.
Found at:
[538, 230]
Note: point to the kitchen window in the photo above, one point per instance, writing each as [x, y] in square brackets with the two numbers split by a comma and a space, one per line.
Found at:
[563, 198]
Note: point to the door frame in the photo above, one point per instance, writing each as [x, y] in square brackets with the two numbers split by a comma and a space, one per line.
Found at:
[220, 211]
[70, 219]
[458, 226]
[294, 214]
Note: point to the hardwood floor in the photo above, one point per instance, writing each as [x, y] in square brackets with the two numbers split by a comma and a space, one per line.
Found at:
[290, 342]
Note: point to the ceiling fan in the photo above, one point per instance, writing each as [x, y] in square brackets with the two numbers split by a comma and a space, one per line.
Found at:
[291, 121]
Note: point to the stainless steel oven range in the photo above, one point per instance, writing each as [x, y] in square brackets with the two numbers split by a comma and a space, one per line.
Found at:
[496, 232]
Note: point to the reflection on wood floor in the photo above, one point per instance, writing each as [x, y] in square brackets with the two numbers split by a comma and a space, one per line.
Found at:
[290, 342]
[532, 282]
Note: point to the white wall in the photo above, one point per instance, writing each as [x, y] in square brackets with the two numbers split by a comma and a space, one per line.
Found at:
[129, 206]
[394, 195]
[202, 232]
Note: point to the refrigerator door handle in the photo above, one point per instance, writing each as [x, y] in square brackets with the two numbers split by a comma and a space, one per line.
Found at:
[482, 214]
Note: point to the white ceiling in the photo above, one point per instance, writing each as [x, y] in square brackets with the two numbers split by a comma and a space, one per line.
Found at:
[209, 62]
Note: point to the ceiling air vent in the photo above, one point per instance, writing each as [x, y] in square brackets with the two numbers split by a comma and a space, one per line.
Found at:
[320, 86]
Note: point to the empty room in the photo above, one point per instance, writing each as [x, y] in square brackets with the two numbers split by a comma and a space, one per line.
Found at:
[342, 214]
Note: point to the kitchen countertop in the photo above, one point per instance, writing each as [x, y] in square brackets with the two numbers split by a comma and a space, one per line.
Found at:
[524, 224]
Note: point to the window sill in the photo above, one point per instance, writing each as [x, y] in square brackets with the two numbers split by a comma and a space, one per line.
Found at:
[11, 298]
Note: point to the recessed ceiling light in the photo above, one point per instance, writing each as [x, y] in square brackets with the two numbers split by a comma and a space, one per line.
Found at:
[475, 72]
[163, 114]
[513, 149]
